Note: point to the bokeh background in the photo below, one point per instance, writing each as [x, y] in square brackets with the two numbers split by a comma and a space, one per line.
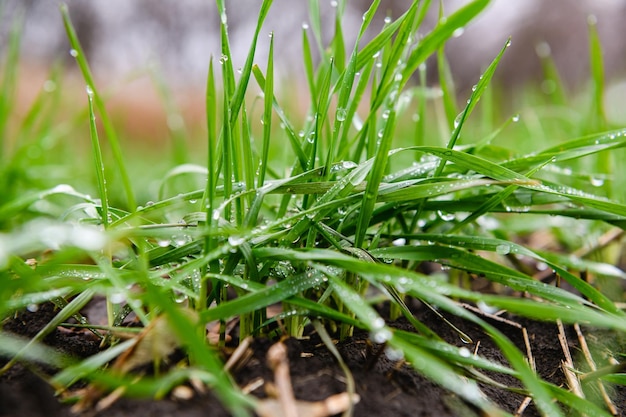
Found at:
[125, 40]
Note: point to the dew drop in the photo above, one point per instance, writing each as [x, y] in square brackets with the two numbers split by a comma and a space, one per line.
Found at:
[515, 118]
[597, 182]
[394, 354]
[305, 26]
[458, 32]
[592, 19]
[446, 217]
[236, 240]
[543, 49]
[399, 242]
[49, 86]
[74, 52]
[117, 298]
[341, 114]
[503, 249]
[380, 335]
[465, 352]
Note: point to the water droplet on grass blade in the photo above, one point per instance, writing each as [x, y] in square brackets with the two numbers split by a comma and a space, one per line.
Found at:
[515, 118]
[597, 182]
[503, 249]
[394, 354]
[236, 240]
[399, 242]
[465, 352]
[341, 114]
[49, 86]
[381, 335]
[117, 298]
[73, 52]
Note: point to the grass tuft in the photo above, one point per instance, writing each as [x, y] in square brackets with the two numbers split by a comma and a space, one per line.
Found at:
[325, 215]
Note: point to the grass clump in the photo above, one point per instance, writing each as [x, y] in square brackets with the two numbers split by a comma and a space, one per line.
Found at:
[324, 215]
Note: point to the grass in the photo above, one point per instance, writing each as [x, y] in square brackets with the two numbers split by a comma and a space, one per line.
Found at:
[320, 213]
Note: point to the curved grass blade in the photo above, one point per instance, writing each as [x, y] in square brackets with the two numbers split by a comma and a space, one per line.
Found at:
[107, 124]
[477, 92]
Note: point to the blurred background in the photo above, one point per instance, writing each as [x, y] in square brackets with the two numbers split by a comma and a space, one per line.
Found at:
[125, 40]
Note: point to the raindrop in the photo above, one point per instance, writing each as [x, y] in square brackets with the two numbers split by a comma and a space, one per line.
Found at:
[543, 49]
[458, 32]
[49, 86]
[446, 217]
[387, 20]
[333, 3]
[179, 297]
[74, 52]
[341, 114]
[193, 201]
[465, 352]
[503, 249]
[89, 91]
[486, 308]
[236, 240]
[394, 354]
[305, 25]
[181, 240]
[597, 182]
[385, 114]
[33, 308]
[117, 298]
[515, 118]
[399, 242]
[380, 335]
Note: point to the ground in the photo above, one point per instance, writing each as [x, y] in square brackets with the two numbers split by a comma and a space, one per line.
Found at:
[385, 387]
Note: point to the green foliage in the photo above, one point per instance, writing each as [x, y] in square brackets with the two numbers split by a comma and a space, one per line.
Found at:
[358, 199]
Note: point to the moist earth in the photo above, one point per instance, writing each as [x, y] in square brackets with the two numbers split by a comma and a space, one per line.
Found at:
[385, 387]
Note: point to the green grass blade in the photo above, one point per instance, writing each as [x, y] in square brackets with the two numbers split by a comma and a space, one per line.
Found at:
[268, 100]
[107, 124]
[598, 116]
[98, 162]
[278, 292]
[9, 81]
[238, 97]
[442, 32]
[477, 92]
[374, 178]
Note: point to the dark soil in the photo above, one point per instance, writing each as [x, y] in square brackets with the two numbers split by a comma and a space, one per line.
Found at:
[386, 388]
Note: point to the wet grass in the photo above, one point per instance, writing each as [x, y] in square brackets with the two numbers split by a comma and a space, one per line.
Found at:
[325, 215]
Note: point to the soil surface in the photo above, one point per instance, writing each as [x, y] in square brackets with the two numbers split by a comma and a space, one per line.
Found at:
[385, 387]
